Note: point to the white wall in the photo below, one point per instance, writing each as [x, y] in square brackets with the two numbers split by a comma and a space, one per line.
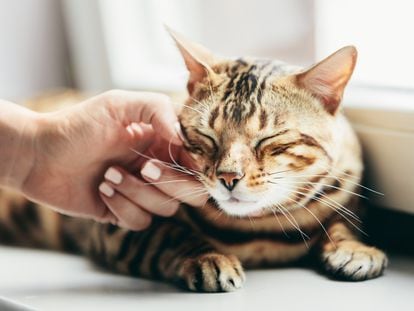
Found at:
[128, 46]
[32, 48]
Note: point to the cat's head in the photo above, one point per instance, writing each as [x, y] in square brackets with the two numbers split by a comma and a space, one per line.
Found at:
[258, 129]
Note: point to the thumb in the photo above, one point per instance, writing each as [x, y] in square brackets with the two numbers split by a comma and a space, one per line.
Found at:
[151, 108]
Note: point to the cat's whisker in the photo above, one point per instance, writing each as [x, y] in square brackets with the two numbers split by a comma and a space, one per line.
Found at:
[335, 177]
[317, 219]
[251, 222]
[338, 205]
[324, 185]
[280, 172]
[285, 212]
[175, 162]
[278, 220]
[194, 193]
[312, 214]
[340, 211]
[219, 213]
[166, 164]
[194, 109]
[200, 103]
[165, 182]
[340, 172]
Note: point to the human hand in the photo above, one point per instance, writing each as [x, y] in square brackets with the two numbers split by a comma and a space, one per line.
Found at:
[158, 189]
[74, 146]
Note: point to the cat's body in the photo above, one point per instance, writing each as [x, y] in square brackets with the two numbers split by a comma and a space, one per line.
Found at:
[248, 125]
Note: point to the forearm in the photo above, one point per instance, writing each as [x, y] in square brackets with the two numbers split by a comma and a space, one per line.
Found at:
[17, 131]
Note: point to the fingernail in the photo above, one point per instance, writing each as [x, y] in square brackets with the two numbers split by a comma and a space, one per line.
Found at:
[179, 131]
[137, 128]
[130, 130]
[134, 129]
[151, 171]
[106, 189]
[113, 175]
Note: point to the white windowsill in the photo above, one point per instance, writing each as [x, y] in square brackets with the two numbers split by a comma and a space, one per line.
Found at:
[384, 122]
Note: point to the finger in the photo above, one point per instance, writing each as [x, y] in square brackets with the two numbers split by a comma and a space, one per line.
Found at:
[150, 108]
[128, 214]
[143, 139]
[141, 193]
[179, 184]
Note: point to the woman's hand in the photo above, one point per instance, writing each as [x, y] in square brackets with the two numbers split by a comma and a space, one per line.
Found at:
[73, 148]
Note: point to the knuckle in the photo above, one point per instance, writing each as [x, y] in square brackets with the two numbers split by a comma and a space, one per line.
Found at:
[112, 93]
[171, 210]
[162, 98]
[111, 97]
[144, 222]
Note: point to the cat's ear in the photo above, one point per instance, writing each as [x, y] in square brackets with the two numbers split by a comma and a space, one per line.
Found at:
[327, 79]
[196, 57]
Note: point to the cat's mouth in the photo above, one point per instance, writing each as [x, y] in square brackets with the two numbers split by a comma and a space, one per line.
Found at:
[234, 199]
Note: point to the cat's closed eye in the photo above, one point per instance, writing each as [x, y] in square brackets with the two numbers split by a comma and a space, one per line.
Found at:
[267, 139]
[201, 144]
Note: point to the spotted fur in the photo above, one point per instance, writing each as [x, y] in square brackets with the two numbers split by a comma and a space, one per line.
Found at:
[282, 134]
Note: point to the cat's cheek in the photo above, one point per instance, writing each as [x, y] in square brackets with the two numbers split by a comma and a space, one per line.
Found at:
[197, 161]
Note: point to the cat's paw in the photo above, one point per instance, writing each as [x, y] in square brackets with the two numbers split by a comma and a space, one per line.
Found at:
[354, 261]
[212, 273]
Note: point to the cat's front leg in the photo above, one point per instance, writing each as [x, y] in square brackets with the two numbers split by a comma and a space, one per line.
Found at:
[211, 272]
[167, 251]
[345, 257]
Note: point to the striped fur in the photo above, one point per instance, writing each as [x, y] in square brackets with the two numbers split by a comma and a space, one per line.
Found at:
[246, 116]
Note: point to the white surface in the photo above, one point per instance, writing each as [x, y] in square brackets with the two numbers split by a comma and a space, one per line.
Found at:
[52, 281]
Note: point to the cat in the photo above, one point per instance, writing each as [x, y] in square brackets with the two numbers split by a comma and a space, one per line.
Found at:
[282, 166]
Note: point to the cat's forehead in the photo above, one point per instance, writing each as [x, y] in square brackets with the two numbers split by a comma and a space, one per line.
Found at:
[244, 90]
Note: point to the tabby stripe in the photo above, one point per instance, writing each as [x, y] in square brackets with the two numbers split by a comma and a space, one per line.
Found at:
[281, 149]
[135, 264]
[5, 235]
[125, 245]
[243, 87]
[232, 236]
[213, 116]
[31, 211]
[330, 190]
[198, 276]
[310, 141]
[263, 119]
[229, 87]
[197, 249]
[162, 247]
[164, 262]
[217, 270]
[69, 242]
[111, 229]
[101, 242]
[301, 158]
[304, 140]
[20, 220]
[263, 83]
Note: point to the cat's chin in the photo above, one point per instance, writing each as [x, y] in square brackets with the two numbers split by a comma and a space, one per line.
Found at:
[239, 208]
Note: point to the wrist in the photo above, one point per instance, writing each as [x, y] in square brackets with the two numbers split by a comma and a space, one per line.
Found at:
[18, 128]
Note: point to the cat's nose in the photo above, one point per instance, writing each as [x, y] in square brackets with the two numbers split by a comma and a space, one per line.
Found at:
[229, 179]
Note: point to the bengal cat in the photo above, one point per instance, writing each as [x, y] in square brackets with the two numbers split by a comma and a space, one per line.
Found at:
[282, 166]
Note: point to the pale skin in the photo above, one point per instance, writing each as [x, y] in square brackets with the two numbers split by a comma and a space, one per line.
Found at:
[80, 160]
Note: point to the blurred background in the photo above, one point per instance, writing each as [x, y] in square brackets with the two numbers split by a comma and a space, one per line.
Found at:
[99, 44]
[95, 45]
